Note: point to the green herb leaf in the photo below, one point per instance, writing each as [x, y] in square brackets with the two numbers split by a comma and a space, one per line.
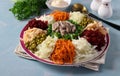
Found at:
[24, 9]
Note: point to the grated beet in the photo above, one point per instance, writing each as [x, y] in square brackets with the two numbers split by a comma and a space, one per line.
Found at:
[94, 38]
[38, 24]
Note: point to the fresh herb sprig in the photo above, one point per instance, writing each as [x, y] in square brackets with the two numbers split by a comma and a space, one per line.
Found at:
[25, 9]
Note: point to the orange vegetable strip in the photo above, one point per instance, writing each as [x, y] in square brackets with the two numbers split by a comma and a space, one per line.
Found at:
[60, 15]
[63, 52]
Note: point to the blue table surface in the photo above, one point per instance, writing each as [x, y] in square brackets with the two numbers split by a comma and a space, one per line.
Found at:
[12, 65]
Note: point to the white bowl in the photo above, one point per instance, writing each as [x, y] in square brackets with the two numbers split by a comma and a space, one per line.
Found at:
[48, 3]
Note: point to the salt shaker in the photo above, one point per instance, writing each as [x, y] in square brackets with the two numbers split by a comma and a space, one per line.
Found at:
[95, 5]
[105, 9]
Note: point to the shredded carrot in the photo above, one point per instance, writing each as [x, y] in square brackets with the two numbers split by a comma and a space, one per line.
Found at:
[60, 15]
[64, 52]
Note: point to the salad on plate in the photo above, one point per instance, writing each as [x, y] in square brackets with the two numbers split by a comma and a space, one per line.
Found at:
[64, 38]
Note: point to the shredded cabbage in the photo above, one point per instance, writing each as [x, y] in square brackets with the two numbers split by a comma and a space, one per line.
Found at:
[76, 16]
[84, 50]
[48, 18]
[46, 47]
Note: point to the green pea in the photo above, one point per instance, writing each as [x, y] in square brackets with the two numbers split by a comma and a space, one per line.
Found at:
[33, 45]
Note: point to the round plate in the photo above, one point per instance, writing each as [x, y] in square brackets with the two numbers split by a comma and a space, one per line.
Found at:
[101, 53]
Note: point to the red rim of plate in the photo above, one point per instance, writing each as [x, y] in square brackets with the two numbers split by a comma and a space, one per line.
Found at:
[52, 63]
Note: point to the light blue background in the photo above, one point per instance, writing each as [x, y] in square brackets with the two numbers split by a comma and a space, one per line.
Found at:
[12, 65]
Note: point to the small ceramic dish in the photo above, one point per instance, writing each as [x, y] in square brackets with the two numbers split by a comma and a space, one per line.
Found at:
[55, 7]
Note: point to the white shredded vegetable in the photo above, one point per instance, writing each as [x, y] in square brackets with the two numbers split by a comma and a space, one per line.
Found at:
[84, 50]
[48, 18]
[76, 16]
[46, 47]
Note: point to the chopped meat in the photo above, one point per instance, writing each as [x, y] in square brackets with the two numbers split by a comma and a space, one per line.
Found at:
[63, 27]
